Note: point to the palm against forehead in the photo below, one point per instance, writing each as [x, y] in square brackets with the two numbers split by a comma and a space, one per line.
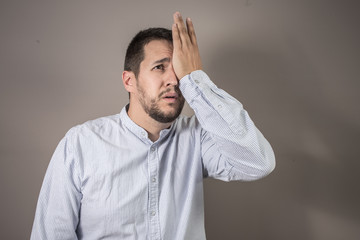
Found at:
[186, 56]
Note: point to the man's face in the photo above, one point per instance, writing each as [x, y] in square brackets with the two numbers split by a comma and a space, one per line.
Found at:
[157, 85]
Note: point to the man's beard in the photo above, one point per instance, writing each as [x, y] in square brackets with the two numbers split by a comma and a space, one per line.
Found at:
[153, 109]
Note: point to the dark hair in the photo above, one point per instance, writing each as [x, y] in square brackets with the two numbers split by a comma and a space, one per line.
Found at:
[135, 51]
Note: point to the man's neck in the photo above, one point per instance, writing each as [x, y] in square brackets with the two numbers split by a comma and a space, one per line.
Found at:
[141, 118]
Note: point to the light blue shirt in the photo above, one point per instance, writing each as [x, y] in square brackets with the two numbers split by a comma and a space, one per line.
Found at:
[108, 180]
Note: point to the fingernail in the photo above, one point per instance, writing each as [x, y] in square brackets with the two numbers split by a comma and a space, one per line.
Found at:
[189, 19]
[178, 15]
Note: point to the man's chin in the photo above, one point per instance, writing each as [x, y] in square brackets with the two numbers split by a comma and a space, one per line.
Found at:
[165, 111]
[164, 118]
[168, 115]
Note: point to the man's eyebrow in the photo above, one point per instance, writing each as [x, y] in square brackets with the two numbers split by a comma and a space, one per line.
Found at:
[161, 61]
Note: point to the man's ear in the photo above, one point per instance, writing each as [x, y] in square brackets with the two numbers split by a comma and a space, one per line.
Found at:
[129, 81]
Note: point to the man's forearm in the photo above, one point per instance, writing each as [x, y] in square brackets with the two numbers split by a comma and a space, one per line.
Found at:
[229, 126]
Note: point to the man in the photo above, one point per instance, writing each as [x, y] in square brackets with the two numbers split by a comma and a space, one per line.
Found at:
[139, 174]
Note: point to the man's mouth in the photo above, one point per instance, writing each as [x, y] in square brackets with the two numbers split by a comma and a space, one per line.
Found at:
[170, 97]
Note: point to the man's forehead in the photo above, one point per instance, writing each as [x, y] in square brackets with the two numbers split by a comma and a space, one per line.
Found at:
[157, 49]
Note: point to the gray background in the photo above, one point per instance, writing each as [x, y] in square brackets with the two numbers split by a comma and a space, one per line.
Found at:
[293, 64]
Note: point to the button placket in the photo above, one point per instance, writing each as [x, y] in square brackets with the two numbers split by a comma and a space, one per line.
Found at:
[153, 194]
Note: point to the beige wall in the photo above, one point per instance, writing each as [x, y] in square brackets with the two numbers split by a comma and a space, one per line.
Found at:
[293, 64]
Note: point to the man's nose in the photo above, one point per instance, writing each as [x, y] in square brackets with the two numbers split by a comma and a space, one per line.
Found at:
[171, 78]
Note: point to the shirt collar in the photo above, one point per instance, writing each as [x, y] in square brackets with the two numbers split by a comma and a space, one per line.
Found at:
[139, 131]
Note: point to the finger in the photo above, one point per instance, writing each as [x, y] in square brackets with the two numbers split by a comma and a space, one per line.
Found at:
[183, 33]
[179, 21]
[175, 36]
[191, 31]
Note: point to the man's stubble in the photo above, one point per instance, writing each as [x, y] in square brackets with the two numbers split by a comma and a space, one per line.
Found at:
[153, 108]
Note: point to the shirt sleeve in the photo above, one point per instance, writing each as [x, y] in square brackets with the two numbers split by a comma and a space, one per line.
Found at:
[58, 205]
[232, 147]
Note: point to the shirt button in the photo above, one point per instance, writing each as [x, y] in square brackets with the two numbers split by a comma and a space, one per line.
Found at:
[152, 149]
[153, 179]
[197, 81]
[143, 134]
[153, 213]
[219, 106]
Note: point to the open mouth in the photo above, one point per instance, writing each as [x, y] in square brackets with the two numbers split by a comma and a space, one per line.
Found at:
[170, 97]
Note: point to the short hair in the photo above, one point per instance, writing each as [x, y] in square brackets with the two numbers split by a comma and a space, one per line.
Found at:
[135, 51]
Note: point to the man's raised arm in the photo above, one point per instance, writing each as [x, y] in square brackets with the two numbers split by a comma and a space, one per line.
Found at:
[232, 147]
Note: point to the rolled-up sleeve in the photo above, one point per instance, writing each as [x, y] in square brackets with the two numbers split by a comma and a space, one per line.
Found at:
[231, 145]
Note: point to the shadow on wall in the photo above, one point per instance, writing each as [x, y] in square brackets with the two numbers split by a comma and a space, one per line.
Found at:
[312, 192]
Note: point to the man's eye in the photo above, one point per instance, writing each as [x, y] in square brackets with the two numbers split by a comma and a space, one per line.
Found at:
[159, 67]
